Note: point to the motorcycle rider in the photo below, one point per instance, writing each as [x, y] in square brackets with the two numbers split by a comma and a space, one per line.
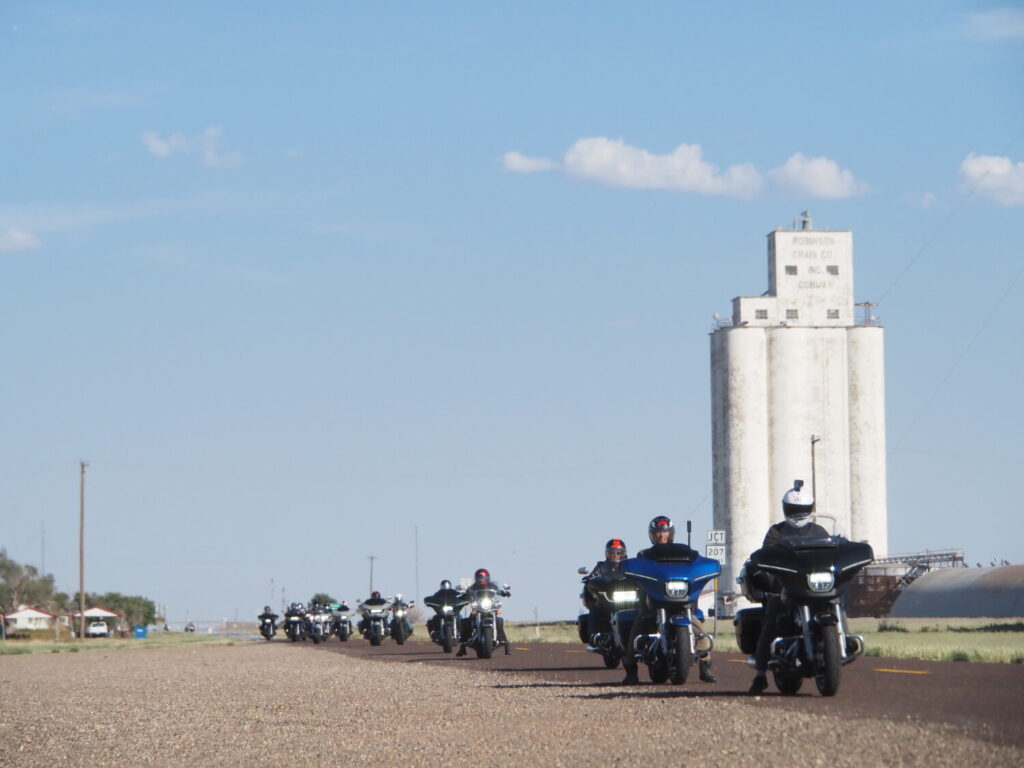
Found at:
[482, 580]
[445, 594]
[798, 524]
[374, 599]
[661, 530]
[609, 568]
[268, 614]
[406, 620]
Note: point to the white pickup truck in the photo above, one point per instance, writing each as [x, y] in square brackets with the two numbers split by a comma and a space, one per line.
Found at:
[97, 629]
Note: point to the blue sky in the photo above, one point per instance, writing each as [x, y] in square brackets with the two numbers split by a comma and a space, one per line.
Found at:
[306, 282]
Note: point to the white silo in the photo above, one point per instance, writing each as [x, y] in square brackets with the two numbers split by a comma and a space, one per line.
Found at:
[798, 392]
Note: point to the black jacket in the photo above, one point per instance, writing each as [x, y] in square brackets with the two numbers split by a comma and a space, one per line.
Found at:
[784, 533]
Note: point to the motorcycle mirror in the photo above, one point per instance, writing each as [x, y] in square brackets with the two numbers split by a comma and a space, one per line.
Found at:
[582, 571]
[505, 586]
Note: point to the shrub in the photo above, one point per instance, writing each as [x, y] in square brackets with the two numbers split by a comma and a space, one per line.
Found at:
[885, 626]
[959, 656]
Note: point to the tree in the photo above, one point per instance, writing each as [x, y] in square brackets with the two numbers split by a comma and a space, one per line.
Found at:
[323, 598]
[24, 585]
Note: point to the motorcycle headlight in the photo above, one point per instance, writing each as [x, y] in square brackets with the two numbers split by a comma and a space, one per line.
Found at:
[676, 589]
[821, 581]
[486, 603]
[624, 596]
[446, 609]
[399, 613]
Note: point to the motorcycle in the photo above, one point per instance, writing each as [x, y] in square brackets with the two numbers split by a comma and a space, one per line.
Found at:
[268, 628]
[484, 619]
[318, 626]
[374, 624]
[295, 626]
[609, 596]
[812, 579]
[341, 625]
[190, 627]
[401, 627]
[672, 577]
[444, 627]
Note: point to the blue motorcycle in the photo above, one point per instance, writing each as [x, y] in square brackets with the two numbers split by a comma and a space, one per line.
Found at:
[672, 577]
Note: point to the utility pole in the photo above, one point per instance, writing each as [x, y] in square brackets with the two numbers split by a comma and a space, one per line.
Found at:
[81, 551]
[416, 552]
[371, 558]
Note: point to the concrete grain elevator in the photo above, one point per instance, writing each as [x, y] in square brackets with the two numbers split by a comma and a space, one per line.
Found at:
[798, 391]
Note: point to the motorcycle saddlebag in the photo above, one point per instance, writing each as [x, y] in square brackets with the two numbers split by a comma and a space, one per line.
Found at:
[747, 623]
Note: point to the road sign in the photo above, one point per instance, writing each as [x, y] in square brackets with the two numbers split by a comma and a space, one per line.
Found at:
[716, 537]
[716, 552]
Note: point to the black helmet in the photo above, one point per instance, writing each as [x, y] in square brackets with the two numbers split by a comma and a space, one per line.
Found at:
[660, 524]
[798, 505]
[266, 609]
[482, 576]
[445, 584]
[615, 550]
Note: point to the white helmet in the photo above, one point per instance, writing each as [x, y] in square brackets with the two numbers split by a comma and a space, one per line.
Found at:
[798, 505]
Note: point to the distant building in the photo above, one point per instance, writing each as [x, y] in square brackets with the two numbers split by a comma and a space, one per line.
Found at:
[27, 618]
[798, 391]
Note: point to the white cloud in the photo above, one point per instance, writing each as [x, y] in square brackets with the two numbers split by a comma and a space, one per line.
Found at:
[929, 200]
[612, 161]
[520, 163]
[996, 24]
[816, 177]
[209, 144]
[997, 178]
[19, 240]
[684, 169]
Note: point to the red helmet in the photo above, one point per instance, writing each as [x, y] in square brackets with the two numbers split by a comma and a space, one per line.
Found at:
[375, 594]
[615, 550]
[482, 576]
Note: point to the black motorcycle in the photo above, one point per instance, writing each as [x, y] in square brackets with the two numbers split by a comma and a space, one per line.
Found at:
[268, 627]
[341, 624]
[374, 624]
[484, 620]
[295, 626]
[608, 595]
[810, 639]
[401, 627]
[444, 626]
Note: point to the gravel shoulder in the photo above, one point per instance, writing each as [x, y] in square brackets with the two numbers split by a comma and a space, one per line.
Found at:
[261, 703]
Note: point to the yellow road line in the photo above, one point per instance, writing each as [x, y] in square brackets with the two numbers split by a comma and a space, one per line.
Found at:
[520, 648]
[905, 671]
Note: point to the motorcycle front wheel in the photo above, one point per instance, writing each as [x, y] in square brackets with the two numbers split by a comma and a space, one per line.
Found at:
[485, 646]
[680, 668]
[446, 638]
[611, 660]
[830, 662]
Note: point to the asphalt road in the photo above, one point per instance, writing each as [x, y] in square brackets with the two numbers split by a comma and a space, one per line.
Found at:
[986, 698]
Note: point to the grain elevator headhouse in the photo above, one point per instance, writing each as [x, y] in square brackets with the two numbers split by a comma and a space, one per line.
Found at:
[797, 391]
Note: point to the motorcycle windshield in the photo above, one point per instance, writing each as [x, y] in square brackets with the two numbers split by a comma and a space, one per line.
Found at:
[437, 601]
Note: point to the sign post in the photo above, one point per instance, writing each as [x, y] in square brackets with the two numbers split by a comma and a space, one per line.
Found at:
[716, 549]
